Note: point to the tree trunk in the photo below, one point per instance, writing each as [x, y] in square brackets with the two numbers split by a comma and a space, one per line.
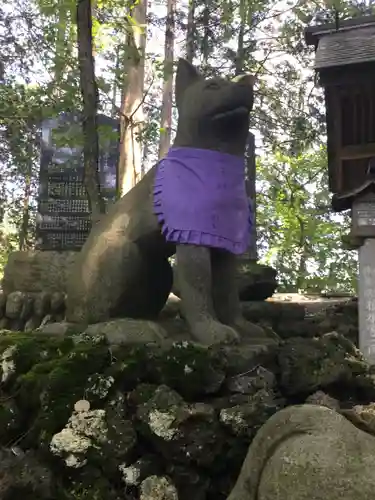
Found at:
[132, 119]
[190, 32]
[250, 170]
[206, 35]
[166, 110]
[90, 99]
[115, 83]
[24, 230]
[250, 166]
[240, 53]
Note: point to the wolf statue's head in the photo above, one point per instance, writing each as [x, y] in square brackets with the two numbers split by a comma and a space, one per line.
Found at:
[212, 113]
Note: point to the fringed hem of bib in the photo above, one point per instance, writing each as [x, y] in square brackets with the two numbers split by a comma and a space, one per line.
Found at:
[189, 237]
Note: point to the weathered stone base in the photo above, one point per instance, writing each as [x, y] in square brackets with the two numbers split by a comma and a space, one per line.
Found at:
[21, 311]
[37, 271]
[102, 415]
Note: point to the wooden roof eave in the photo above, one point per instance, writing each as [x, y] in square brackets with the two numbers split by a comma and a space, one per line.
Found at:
[314, 33]
[344, 201]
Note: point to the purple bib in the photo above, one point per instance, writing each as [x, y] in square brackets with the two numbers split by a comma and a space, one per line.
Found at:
[200, 199]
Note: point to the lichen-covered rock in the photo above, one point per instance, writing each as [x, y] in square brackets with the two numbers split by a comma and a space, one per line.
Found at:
[252, 381]
[311, 364]
[22, 475]
[158, 488]
[84, 432]
[133, 474]
[7, 364]
[93, 435]
[104, 417]
[246, 418]
[191, 370]
[186, 432]
[190, 482]
[363, 416]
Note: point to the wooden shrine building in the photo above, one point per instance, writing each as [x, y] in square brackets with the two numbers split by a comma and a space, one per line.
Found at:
[345, 64]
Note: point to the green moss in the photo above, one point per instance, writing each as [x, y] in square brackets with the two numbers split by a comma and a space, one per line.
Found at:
[185, 367]
[90, 485]
[132, 365]
[190, 370]
[31, 349]
[46, 392]
[10, 421]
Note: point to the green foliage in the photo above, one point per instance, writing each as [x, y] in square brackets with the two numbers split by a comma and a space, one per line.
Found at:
[298, 233]
[39, 78]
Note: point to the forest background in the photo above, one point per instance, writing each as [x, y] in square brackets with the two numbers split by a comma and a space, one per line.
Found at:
[135, 47]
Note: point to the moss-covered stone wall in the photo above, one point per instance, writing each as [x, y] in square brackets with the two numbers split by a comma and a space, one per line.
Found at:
[84, 418]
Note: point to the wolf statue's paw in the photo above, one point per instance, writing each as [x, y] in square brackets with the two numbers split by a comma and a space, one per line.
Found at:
[212, 332]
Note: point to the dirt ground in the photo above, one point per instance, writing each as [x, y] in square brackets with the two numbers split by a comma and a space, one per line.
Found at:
[312, 303]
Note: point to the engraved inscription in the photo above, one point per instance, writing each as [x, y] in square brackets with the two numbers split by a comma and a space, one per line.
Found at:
[367, 301]
[365, 214]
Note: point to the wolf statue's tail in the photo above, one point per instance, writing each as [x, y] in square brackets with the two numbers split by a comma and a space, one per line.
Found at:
[287, 423]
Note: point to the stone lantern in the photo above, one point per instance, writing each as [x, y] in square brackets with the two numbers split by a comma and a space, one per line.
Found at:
[345, 66]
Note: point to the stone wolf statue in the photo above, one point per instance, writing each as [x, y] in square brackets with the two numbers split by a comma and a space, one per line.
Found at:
[193, 204]
[308, 452]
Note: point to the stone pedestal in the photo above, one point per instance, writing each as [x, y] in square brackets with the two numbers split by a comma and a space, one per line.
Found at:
[366, 296]
[37, 271]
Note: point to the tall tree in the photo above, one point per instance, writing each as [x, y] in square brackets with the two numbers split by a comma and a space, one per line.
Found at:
[132, 118]
[190, 32]
[166, 110]
[90, 99]
[239, 65]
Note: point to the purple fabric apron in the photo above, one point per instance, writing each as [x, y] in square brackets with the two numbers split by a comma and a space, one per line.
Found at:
[200, 199]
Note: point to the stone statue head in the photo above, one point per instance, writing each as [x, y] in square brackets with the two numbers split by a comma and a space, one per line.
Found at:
[213, 113]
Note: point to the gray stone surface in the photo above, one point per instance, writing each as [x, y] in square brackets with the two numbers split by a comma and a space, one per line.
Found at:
[37, 271]
[128, 331]
[366, 292]
[308, 452]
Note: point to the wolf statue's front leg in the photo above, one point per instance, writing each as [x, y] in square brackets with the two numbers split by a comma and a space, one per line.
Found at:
[226, 297]
[195, 282]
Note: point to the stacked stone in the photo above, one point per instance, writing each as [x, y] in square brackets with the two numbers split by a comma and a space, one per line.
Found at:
[84, 419]
[22, 311]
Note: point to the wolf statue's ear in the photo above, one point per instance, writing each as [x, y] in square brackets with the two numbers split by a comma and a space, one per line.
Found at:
[186, 75]
[247, 79]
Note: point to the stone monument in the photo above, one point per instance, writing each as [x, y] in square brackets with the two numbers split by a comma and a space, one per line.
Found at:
[192, 203]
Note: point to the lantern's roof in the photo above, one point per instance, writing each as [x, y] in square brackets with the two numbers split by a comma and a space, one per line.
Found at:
[352, 42]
